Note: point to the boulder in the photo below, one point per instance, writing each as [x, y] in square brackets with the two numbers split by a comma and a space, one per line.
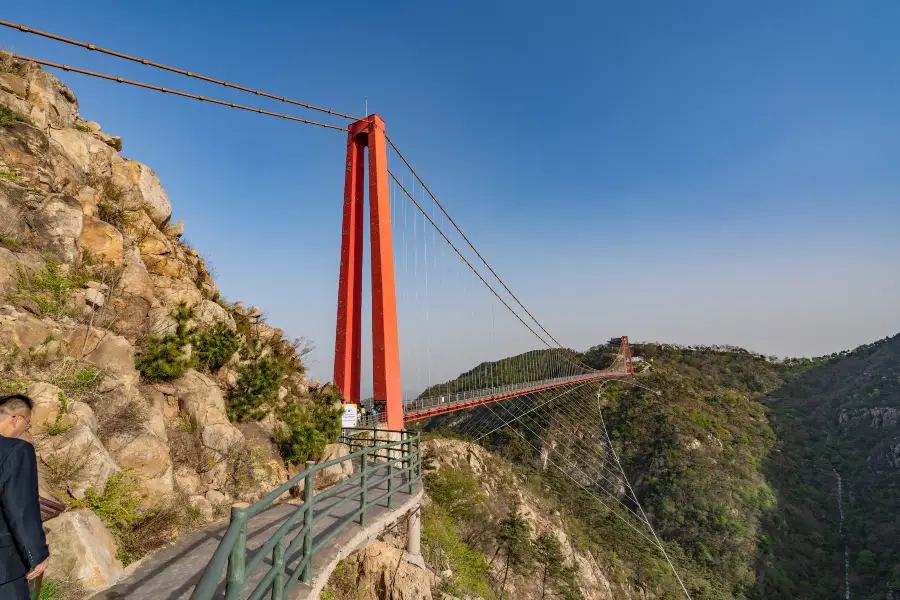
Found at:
[58, 223]
[89, 198]
[166, 266]
[108, 351]
[172, 292]
[175, 230]
[200, 399]
[207, 512]
[187, 481]
[382, 571]
[26, 151]
[150, 239]
[12, 206]
[208, 313]
[46, 405]
[94, 298]
[51, 101]
[335, 473]
[147, 456]
[14, 84]
[155, 201]
[134, 295]
[101, 241]
[9, 274]
[215, 497]
[77, 457]
[82, 549]
[24, 331]
[91, 156]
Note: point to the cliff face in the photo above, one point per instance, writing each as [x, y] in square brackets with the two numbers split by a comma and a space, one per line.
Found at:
[157, 403]
[489, 530]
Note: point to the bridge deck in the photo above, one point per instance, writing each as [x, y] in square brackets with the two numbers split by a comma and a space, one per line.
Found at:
[422, 408]
[172, 573]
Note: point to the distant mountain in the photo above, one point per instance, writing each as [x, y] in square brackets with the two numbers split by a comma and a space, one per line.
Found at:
[839, 417]
[735, 461]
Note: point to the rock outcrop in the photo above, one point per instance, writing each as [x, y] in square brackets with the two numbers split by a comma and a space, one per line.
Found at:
[90, 269]
[381, 572]
[84, 550]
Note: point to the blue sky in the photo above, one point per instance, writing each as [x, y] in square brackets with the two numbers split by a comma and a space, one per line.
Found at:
[702, 172]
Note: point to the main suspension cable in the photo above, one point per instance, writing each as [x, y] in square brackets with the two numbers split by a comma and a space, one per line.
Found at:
[175, 92]
[143, 61]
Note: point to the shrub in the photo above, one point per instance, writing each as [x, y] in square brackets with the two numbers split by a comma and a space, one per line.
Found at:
[155, 529]
[117, 503]
[441, 546]
[163, 357]
[111, 207]
[256, 389]
[213, 347]
[61, 589]
[136, 532]
[49, 289]
[76, 378]
[7, 116]
[456, 491]
[120, 418]
[309, 426]
[59, 427]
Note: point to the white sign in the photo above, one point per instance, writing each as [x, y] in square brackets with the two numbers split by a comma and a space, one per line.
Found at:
[349, 418]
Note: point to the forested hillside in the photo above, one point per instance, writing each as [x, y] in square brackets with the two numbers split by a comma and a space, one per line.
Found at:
[840, 416]
[731, 455]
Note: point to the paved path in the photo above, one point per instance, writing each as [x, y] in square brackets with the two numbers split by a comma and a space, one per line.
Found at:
[172, 572]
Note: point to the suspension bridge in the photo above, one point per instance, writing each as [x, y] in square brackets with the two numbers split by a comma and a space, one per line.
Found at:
[547, 389]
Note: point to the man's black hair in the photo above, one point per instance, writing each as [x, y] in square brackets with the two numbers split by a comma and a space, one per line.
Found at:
[5, 399]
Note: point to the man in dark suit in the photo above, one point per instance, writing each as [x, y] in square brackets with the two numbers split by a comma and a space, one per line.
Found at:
[23, 546]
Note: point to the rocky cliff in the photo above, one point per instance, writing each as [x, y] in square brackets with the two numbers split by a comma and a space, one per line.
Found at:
[157, 403]
[472, 497]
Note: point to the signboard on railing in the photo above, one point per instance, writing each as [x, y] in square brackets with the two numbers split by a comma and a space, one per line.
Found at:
[350, 416]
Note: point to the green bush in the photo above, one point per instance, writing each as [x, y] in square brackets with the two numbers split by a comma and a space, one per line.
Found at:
[213, 347]
[117, 503]
[256, 389]
[310, 426]
[442, 546]
[456, 491]
[7, 116]
[49, 289]
[163, 357]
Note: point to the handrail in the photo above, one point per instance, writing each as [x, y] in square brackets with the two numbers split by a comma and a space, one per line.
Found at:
[399, 458]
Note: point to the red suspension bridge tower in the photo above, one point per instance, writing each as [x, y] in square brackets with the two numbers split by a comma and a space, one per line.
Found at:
[368, 133]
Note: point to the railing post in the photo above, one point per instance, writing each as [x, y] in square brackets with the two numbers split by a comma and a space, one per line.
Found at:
[278, 564]
[418, 457]
[237, 560]
[363, 493]
[411, 465]
[309, 487]
[390, 482]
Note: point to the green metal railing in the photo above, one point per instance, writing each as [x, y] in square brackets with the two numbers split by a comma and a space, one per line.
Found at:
[377, 455]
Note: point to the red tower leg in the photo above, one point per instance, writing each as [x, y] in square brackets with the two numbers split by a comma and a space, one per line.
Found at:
[348, 338]
[385, 345]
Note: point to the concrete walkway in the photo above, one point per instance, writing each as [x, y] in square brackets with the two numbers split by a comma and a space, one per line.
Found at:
[172, 572]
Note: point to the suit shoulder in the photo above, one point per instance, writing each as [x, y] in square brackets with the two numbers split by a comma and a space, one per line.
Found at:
[13, 445]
